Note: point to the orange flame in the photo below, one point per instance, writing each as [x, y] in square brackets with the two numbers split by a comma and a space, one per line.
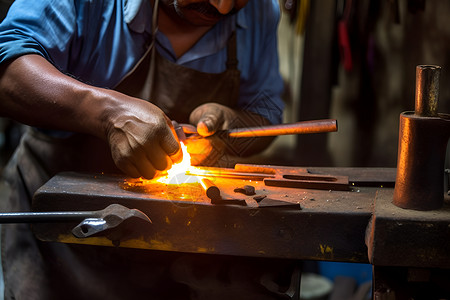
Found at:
[177, 174]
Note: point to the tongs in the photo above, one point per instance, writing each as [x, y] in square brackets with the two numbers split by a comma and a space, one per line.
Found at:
[92, 222]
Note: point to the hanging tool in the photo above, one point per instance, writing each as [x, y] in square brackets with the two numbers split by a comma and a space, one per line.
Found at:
[344, 37]
[92, 222]
[302, 16]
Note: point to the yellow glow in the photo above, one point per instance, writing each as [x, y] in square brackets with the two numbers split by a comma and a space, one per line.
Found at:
[203, 185]
[177, 174]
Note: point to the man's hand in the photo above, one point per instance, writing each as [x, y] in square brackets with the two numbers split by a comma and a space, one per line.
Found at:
[212, 117]
[142, 139]
[207, 149]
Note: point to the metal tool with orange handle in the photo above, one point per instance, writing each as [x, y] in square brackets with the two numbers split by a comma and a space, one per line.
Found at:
[303, 127]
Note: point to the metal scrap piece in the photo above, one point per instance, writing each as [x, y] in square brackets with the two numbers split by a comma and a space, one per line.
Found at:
[241, 202]
[258, 198]
[272, 203]
[246, 190]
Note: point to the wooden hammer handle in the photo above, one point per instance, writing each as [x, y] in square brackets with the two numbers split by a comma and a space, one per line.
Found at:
[304, 127]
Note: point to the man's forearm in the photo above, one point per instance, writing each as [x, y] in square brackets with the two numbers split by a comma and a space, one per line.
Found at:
[34, 92]
[139, 133]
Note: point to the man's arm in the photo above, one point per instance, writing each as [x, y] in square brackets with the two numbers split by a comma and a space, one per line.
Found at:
[34, 92]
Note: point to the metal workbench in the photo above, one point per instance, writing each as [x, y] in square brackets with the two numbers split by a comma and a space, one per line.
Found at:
[407, 248]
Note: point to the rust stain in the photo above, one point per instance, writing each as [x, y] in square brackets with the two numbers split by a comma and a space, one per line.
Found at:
[139, 243]
[161, 245]
[192, 212]
[205, 250]
[326, 251]
[101, 241]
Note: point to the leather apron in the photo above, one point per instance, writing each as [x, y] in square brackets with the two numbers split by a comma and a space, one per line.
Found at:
[45, 270]
[178, 90]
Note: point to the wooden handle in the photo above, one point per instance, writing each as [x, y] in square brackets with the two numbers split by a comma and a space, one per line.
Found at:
[316, 126]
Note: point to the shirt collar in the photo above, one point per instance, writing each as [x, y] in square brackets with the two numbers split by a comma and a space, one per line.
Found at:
[216, 39]
[241, 20]
[137, 14]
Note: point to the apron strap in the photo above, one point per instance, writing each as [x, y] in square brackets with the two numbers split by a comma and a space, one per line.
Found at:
[152, 66]
[232, 60]
[155, 20]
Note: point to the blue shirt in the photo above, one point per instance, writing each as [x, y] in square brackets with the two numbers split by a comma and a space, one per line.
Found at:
[99, 41]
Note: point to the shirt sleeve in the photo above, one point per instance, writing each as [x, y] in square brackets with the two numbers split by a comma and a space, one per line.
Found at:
[262, 85]
[43, 27]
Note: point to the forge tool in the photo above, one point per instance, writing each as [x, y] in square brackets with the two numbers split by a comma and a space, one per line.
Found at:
[214, 194]
[276, 176]
[92, 222]
[423, 139]
[304, 127]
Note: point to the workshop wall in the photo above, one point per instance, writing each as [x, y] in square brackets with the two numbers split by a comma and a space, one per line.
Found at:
[364, 82]
[388, 40]
[290, 49]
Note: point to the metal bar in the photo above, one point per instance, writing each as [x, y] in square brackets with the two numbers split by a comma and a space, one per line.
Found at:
[211, 190]
[44, 217]
[223, 173]
[316, 126]
[427, 90]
